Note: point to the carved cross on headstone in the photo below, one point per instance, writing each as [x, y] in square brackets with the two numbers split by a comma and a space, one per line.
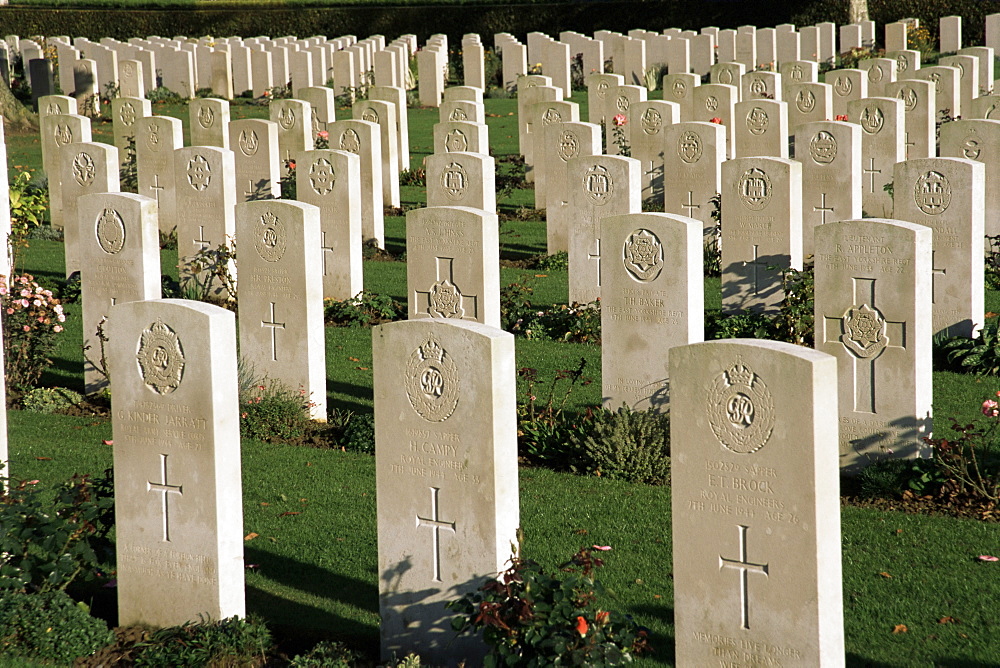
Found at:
[907, 144]
[690, 206]
[871, 172]
[755, 263]
[201, 240]
[156, 188]
[745, 567]
[437, 524]
[935, 272]
[823, 208]
[444, 299]
[865, 333]
[597, 257]
[164, 488]
[326, 249]
[274, 326]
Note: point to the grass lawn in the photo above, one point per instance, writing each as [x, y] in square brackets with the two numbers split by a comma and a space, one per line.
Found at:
[314, 573]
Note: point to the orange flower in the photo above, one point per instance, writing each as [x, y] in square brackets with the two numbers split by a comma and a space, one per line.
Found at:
[602, 617]
[581, 626]
[841, 117]
[716, 120]
[619, 120]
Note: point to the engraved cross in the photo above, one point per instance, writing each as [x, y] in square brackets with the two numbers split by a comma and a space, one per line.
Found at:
[935, 272]
[202, 241]
[597, 257]
[871, 171]
[164, 488]
[274, 327]
[326, 249]
[437, 524]
[823, 209]
[907, 144]
[755, 263]
[690, 206]
[745, 567]
[156, 188]
[443, 292]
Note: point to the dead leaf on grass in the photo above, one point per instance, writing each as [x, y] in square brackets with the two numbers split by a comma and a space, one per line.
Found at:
[885, 575]
[899, 628]
[250, 536]
[947, 620]
[289, 512]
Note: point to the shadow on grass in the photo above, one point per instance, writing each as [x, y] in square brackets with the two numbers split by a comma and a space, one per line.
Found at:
[855, 660]
[62, 372]
[341, 389]
[663, 644]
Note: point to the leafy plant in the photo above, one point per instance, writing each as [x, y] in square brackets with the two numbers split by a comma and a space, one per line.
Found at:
[971, 461]
[356, 431]
[892, 478]
[29, 201]
[795, 319]
[364, 309]
[289, 188]
[532, 618]
[44, 546]
[980, 356]
[48, 626]
[161, 95]
[128, 173]
[271, 412]
[50, 399]
[618, 135]
[414, 176]
[625, 444]
[993, 262]
[32, 318]
[558, 261]
[229, 642]
[210, 272]
[544, 428]
[713, 242]
[748, 325]
[326, 654]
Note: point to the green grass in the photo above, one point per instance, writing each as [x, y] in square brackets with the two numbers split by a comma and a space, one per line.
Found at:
[315, 572]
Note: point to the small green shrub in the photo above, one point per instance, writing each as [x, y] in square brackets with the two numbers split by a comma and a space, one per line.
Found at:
[979, 356]
[50, 399]
[271, 412]
[891, 478]
[364, 309]
[326, 654]
[795, 319]
[227, 642]
[29, 200]
[720, 325]
[558, 260]
[49, 626]
[531, 618]
[128, 173]
[161, 95]
[545, 429]
[626, 445]
[358, 434]
[32, 320]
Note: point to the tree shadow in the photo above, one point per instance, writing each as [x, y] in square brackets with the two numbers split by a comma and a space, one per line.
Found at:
[341, 388]
[664, 645]
[749, 282]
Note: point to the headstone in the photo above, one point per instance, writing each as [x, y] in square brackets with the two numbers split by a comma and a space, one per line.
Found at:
[976, 140]
[363, 139]
[693, 154]
[830, 154]
[429, 78]
[968, 78]
[331, 181]
[56, 104]
[984, 107]
[119, 250]
[948, 195]
[281, 266]
[57, 131]
[461, 179]
[761, 128]
[716, 103]
[178, 487]
[125, 113]
[446, 477]
[848, 86]
[907, 62]
[728, 73]
[322, 107]
[515, 64]
[986, 57]
[205, 178]
[918, 117]
[156, 138]
[895, 36]
[42, 82]
[461, 136]
[383, 114]
[880, 72]
[541, 115]
[649, 120]
[87, 87]
[827, 42]
[951, 33]
[85, 168]
[563, 142]
[762, 233]
[209, 122]
[947, 89]
[760, 85]
[746, 50]
[789, 46]
[452, 268]
[599, 100]
[756, 505]
[254, 143]
[808, 103]
[130, 82]
[461, 110]
[679, 89]
[797, 72]
[294, 121]
[222, 76]
[652, 299]
[396, 95]
[882, 132]
[850, 38]
[600, 186]
[873, 313]
[529, 96]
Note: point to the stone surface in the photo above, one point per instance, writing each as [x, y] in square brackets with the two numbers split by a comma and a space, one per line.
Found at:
[947, 90]
[918, 116]
[652, 299]
[718, 101]
[57, 131]
[808, 103]
[830, 155]
[623, 98]
[85, 168]
[693, 155]
[461, 179]
[978, 140]
[873, 313]
[761, 128]
[760, 85]
[452, 267]
[649, 120]
[396, 95]
[599, 102]
[294, 121]
[762, 198]
[882, 133]
[363, 138]
[848, 85]
[968, 79]
[461, 136]
[446, 477]
[879, 72]
[209, 122]
[756, 505]
[948, 195]
[562, 143]
[679, 88]
[178, 490]
[383, 114]
[254, 142]
[156, 138]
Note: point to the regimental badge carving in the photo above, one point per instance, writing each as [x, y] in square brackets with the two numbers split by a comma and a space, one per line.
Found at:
[758, 86]
[754, 189]
[843, 86]
[444, 300]
[909, 97]
[971, 148]
[199, 173]
[110, 231]
[602, 89]
[795, 73]
[823, 148]
[875, 73]
[249, 143]
[989, 112]
[206, 117]
[63, 134]
[651, 121]
[569, 146]
[126, 114]
[53, 108]
[960, 66]
[286, 118]
[711, 103]
[370, 114]
[551, 116]
[458, 114]
[350, 141]
[269, 237]
[84, 169]
[598, 184]
[872, 119]
[679, 89]
[128, 69]
[726, 76]
[432, 383]
[322, 177]
[902, 63]
[160, 358]
[643, 255]
[863, 331]
[932, 193]
[153, 137]
[757, 121]
[740, 410]
[689, 147]
[456, 141]
[454, 181]
[622, 103]
[805, 101]
[314, 116]
[936, 79]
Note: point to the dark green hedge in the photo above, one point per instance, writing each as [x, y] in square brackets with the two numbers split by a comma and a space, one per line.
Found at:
[306, 17]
